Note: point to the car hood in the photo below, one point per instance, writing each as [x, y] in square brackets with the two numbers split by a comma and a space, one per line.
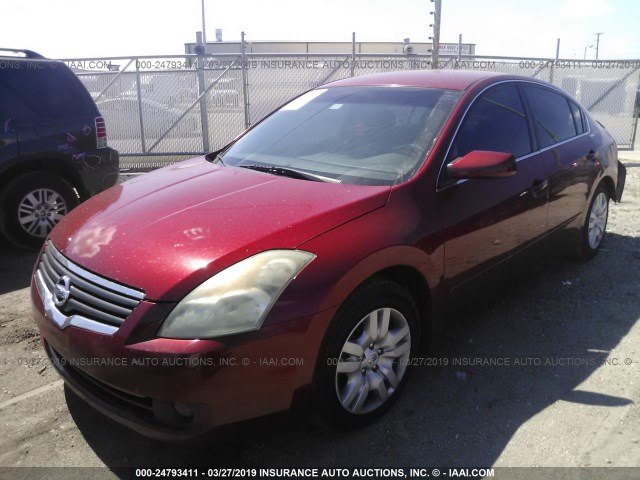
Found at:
[167, 231]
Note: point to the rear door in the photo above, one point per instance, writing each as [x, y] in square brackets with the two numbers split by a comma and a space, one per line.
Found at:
[566, 149]
[488, 220]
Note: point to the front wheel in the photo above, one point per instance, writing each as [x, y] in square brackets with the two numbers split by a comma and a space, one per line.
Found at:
[32, 205]
[364, 362]
[595, 225]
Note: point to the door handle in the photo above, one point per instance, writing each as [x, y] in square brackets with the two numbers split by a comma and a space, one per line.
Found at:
[538, 187]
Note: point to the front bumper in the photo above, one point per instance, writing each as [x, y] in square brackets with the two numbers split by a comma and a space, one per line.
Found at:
[149, 416]
[179, 389]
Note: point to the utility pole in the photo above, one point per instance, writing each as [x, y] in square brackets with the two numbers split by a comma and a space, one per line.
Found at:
[435, 40]
[204, 31]
[598, 43]
[204, 118]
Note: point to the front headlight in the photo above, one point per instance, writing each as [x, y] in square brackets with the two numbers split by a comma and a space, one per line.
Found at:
[237, 299]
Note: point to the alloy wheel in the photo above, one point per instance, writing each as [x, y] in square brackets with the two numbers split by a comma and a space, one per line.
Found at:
[373, 361]
[40, 210]
[598, 220]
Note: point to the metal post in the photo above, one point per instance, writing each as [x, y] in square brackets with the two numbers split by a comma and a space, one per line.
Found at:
[353, 53]
[459, 48]
[435, 48]
[139, 94]
[204, 30]
[204, 118]
[245, 83]
[554, 63]
[598, 43]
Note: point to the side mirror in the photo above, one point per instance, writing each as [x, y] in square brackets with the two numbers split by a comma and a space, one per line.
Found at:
[483, 164]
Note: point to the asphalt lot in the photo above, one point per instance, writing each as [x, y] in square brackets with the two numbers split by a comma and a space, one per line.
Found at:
[568, 397]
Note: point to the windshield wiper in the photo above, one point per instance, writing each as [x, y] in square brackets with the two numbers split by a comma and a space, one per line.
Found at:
[291, 173]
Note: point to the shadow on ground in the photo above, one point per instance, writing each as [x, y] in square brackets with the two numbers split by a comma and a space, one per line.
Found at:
[15, 267]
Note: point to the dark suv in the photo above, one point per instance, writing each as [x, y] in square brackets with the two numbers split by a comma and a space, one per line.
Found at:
[53, 146]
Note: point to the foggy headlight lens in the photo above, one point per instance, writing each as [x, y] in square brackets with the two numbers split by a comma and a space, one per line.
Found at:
[237, 299]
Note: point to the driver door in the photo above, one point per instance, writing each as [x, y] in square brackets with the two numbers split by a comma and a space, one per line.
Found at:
[486, 221]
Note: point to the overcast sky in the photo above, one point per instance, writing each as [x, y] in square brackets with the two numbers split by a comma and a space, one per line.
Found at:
[88, 28]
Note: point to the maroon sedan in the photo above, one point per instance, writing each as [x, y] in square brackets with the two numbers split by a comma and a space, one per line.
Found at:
[312, 257]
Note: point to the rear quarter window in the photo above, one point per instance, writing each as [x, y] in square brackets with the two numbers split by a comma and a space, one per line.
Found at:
[577, 118]
[49, 90]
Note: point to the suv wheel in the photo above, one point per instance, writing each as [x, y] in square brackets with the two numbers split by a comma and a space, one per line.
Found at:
[32, 205]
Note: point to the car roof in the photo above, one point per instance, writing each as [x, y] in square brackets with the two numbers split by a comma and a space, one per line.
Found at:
[449, 79]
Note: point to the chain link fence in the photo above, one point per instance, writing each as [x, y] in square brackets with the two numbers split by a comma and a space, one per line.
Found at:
[159, 110]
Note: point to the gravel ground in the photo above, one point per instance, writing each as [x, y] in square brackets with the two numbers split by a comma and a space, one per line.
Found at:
[567, 398]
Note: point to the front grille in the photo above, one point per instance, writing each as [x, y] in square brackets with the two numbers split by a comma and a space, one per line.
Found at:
[89, 296]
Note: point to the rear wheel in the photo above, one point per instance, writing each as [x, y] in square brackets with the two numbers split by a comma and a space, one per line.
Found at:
[595, 225]
[366, 354]
[32, 205]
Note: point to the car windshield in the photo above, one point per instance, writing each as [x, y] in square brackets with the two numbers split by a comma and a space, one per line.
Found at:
[353, 135]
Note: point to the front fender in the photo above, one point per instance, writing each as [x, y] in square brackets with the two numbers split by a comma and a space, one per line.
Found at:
[350, 254]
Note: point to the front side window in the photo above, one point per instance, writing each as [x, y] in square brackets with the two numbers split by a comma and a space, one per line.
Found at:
[354, 135]
[554, 120]
[496, 122]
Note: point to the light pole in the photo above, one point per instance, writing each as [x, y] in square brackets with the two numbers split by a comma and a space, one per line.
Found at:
[204, 30]
[585, 50]
[598, 43]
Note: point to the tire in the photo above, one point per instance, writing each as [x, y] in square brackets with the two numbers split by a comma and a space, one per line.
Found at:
[358, 378]
[32, 205]
[595, 224]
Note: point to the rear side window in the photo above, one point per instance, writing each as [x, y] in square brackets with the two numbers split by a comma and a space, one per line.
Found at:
[554, 119]
[48, 89]
[496, 122]
[577, 118]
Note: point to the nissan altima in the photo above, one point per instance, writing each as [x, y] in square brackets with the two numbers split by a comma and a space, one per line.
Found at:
[312, 258]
